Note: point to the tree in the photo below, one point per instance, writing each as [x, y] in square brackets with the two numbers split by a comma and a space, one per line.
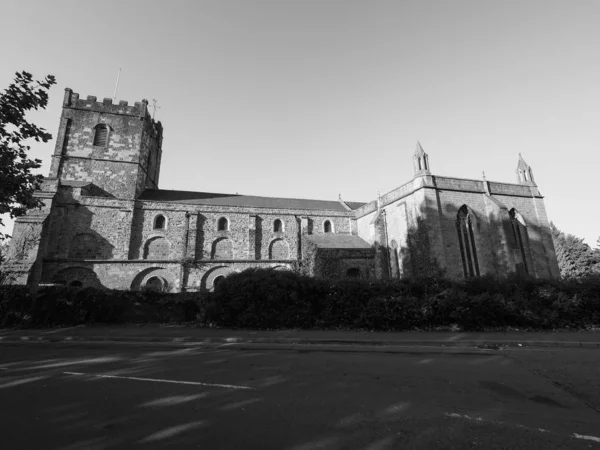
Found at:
[17, 182]
[575, 258]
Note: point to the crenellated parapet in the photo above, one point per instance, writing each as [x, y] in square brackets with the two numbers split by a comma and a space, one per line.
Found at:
[91, 103]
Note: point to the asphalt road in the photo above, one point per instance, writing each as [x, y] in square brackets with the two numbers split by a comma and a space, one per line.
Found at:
[121, 397]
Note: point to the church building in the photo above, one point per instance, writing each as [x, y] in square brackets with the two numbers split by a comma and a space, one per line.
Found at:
[107, 224]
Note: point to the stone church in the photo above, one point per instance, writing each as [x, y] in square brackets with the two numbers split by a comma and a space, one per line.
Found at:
[106, 223]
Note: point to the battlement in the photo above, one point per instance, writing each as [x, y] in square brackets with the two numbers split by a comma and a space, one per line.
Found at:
[91, 103]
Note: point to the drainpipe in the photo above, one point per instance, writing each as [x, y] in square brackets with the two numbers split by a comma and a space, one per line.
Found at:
[186, 233]
[387, 244]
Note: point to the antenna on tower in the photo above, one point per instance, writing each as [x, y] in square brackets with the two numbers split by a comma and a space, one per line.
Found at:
[116, 86]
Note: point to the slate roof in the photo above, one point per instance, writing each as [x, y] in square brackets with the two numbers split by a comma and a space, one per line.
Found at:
[330, 240]
[250, 201]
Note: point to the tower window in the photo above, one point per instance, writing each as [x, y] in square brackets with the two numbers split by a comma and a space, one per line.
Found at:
[222, 224]
[159, 222]
[466, 242]
[327, 226]
[277, 226]
[101, 135]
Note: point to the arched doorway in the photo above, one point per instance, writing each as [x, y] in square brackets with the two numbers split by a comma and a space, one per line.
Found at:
[218, 280]
[155, 284]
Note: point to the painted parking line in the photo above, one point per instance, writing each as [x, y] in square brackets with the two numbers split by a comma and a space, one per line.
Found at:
[541, 430]
[587, 438]
[158, 380]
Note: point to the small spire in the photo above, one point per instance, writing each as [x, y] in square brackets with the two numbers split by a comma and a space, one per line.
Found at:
[419, 150]
[522, 164]
[483, 174]
[524, 172]
[420, 160]
[340, 197]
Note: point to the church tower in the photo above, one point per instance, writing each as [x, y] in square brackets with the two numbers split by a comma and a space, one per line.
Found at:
[116, 147]
[421, 161]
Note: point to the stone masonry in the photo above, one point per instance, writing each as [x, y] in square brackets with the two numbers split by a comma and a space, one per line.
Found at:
[106, 223]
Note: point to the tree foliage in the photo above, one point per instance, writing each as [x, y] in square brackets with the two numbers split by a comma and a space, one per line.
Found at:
[576, 259]
[17, 182]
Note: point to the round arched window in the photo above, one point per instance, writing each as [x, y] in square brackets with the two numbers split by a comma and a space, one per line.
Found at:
[159, 222]
[277, 226]
[327, 226]
[222, 224]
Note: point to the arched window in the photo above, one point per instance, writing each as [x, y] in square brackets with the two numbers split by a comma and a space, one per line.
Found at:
[222, 224]
[521, 237]
[277, 226]
[327, 226]
[101, 135]
[159, 222]
[222, 249]
[157, 248]
[279, 249]
[466, 242]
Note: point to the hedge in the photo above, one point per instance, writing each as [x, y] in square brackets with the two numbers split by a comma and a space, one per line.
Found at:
[268, 299]
[273, 299]
[51, 306]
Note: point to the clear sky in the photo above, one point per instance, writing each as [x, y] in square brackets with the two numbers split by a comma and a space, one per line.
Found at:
[313, 98]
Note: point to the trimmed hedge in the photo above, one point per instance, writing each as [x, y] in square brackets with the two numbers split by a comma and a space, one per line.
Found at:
[267, 299]
[51, 306]
[272, 299]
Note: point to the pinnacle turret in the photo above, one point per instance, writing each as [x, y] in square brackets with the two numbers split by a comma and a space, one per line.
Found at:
[524, 172]
[420, 161]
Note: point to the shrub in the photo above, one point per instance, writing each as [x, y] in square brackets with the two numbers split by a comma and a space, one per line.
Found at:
[270, 299]
[57, 305]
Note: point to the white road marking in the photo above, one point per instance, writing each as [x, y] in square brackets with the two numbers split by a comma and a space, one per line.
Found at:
[3, 368]
[58, 330]
[21, 381]
[542, 430]
[172, 431]
[174, 400]
[158, 380]
[100, 360]
[588, 438]
[238, 405]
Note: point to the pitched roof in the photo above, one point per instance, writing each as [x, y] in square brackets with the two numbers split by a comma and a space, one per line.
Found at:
[354, 205]
[250, 201]
[330, 240]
